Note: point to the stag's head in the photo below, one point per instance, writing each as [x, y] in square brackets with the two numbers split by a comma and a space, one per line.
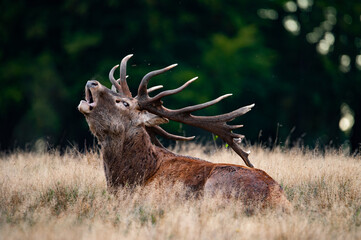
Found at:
[114, 111]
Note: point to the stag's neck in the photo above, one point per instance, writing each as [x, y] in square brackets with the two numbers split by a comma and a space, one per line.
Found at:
[130, 159]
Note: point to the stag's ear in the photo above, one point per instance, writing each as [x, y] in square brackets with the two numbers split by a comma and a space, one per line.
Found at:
[150, 119]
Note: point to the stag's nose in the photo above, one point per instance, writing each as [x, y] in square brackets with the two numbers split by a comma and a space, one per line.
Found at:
[92, 84]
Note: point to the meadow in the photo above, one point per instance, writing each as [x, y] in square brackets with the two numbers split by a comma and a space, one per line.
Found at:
[48, 195]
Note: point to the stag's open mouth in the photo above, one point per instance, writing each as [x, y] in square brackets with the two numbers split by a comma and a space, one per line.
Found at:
[89, 96]
[88, 105]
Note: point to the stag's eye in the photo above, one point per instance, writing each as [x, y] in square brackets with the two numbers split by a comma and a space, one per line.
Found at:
[124, 103]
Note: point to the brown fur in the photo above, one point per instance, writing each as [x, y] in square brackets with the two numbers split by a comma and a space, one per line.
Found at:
[130, 158]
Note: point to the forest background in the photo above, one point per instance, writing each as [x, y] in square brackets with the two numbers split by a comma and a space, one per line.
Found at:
[299, 61]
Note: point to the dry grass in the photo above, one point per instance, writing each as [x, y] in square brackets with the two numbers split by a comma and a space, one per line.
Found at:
[48, 196]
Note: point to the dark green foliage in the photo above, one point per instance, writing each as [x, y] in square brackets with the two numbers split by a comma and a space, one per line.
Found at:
[49, 50]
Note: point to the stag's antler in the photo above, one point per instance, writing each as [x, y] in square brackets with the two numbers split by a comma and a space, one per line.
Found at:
[214, 124]
[121, 86]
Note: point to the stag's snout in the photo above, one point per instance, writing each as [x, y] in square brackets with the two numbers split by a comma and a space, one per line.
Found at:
[92, 84]
[87, 105]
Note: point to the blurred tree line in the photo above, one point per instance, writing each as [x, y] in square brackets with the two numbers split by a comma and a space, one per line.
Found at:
[299, 61]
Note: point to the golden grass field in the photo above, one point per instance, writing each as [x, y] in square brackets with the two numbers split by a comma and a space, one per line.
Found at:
[53, 196]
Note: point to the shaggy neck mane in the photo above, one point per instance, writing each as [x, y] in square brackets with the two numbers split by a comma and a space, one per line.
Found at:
[130, 159]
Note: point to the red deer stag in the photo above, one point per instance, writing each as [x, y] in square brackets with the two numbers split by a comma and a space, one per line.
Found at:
[126, 128]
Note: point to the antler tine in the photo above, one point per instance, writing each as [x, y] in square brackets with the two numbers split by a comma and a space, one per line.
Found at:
[115, 82]
[202, 105]
[152, 89]
[235, 126]
[123, 76]
[224, 117]
[160, 131]
[174, 91]
[142, 90]
[113, 88]
[156, 130]
[227, 117]
[244, 155]
[149, 90]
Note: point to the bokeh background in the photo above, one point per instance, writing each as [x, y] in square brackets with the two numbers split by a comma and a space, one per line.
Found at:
[299, 61]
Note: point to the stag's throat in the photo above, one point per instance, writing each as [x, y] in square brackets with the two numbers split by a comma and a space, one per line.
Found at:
[130, 160]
